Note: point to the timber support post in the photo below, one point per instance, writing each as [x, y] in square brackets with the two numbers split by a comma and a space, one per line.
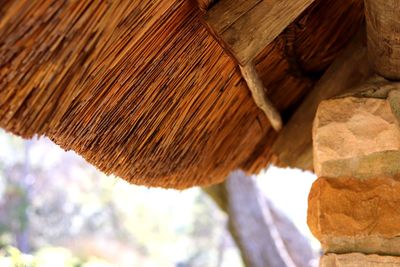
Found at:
[354, 204]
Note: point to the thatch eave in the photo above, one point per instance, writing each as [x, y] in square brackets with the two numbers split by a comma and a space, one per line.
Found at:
[141, 89]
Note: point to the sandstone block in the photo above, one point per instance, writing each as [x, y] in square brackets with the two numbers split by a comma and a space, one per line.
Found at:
[356, 137]
[356, 215]
[358, 260]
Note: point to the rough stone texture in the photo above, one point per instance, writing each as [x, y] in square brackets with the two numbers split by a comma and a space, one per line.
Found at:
[356, 137]
[365, 244]
[356, 215]
[358, 260]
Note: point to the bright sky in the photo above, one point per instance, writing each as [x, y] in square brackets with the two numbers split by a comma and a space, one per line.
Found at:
[288, 189]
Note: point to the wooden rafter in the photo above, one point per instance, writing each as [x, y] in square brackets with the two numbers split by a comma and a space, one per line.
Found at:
[247, 26]
[257, 90]
[244, 28]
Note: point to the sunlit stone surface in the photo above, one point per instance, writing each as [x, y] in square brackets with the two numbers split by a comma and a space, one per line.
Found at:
[356, 137]
[358, 260]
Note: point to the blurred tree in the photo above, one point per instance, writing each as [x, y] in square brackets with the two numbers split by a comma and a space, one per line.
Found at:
[265, 236]
[14, 209]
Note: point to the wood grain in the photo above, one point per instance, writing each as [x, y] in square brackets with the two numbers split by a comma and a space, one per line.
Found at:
[225, 13]
[204, 5]
[383, 31]
[257, 90]
[246, 27]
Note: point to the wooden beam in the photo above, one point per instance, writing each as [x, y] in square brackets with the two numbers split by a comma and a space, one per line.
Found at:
[245, 27]
[294, 143]
[383, 31]
[257, 90]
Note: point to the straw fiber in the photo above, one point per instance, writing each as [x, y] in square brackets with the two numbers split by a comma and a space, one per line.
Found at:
[141, 89]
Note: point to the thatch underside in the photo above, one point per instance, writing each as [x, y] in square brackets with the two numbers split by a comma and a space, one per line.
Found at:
[142, 90]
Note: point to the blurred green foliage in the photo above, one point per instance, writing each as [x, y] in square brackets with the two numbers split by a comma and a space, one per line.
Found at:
[60, 211]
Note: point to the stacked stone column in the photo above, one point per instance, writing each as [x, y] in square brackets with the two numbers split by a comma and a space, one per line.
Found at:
[354, 205]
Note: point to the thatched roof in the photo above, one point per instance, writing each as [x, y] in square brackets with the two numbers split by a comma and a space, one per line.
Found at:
[142, 90]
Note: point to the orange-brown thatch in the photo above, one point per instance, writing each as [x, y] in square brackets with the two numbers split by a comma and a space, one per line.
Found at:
[141, 89]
